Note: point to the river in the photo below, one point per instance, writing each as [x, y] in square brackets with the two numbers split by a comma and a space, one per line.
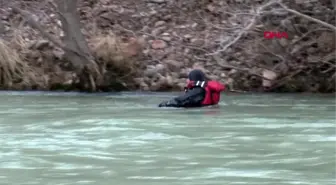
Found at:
[124, 139]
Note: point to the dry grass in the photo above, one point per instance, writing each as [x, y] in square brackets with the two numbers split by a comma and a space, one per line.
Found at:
[108, 49]
[31, 75]
[12, 68]
[17, 41]
[112, 51]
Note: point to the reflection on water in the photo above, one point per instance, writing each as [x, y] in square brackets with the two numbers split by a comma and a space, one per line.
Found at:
[126, 139]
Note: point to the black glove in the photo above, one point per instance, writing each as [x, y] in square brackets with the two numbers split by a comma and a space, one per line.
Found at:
[170, 103]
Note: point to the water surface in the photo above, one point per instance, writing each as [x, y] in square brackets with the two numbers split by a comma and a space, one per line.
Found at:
[124, 139]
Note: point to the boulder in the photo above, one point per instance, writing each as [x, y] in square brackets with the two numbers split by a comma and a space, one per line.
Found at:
[159, 23]
[181, 86]
[166, 38]
[159, 44]
[139, 80]
[153, 71]
[160, 68]
[169, 80]
[150, 71]
[271, 75]
[154, 86]
[173, 65]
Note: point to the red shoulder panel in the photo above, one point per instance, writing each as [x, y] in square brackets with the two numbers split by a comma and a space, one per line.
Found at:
[216, 86]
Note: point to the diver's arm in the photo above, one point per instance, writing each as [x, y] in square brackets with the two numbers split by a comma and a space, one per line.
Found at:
[192, 98]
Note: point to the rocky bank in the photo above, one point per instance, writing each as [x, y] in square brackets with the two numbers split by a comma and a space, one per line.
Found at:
[151, 45]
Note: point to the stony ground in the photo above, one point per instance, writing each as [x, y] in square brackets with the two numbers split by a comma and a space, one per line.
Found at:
[168, 38]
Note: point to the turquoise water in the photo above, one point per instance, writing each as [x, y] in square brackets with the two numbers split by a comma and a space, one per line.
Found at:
[124, 139]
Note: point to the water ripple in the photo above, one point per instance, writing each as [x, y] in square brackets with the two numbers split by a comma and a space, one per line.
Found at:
[91, 140]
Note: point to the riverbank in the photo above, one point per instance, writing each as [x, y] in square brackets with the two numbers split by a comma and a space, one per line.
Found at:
[152, 45]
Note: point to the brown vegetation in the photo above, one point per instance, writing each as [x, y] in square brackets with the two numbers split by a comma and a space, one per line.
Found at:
[12, 68]
[152, 45]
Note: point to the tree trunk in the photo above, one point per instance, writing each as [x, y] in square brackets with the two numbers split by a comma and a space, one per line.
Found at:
[73, 43]
[77, 50]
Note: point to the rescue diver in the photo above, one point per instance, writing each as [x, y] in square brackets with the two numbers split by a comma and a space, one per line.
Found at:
[199, 92]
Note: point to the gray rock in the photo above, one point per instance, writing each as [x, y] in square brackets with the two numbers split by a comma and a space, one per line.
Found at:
[176, 80]
[209, 64]
[211, 8]
[187, 36]
[159, 23]
[162, 81]
[143, 84]
[167, 17]
[169, 80]
[183, 73]
[139, 80]
[197, 42]
[145, 88]
[166, 38]
[183, 80]
[173, 65]
[156, 1]
[175, 75]
[233, 71]
[188, 70]
[160, 68]
[214, 77]
[147, 80]
[58, 54]
[311, 50]
[271, 75]
[159, 44]
[283, 42]
[154, 86]
[181, 86]
[150, 72]
[158, 31]
[216, 72]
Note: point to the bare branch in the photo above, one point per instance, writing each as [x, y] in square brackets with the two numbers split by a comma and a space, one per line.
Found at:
[272, 53]
[37, 26]
[307, 17]
[306, 34]
[243, 69]
[334, 4]
[246, 29]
